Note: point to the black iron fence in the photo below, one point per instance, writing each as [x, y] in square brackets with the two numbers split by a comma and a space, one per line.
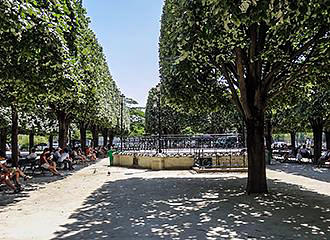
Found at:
[183, 142]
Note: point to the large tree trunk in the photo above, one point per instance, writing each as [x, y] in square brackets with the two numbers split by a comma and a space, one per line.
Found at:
[14, 136]
[3, 141]
[105, 133]
[317, 126]
[252, 103]
[293, 142]
[95, 134]
[63, 130]
[82, 129]
[256, 156]
[31, 140]
[327, 139]
[268, 137]
[51, 141]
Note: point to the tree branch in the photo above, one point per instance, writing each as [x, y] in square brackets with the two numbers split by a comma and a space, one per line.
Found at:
[301, 72]
[242, 83]
[233, 91]
[285, 86]
[270, 76]
[230, 67]
[261, 44]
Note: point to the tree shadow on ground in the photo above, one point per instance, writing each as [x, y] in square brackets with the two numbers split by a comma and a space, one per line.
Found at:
[198, 208]
[305, 170]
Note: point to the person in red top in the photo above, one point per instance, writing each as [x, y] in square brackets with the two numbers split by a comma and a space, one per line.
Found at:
[46, 164]
[5, 178]
[87, 151]
[90, 153]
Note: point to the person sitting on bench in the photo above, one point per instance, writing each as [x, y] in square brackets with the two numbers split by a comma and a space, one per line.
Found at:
[77, 156]
[66, 160]
[7, 175]
[47, 164]
[303, 153]
[57, 154]
[32, 155]
[5, 178]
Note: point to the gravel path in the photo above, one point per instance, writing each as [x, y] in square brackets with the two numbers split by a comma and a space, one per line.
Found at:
[142, 204]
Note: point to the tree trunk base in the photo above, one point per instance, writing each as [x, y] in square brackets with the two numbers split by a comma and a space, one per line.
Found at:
[257, 183]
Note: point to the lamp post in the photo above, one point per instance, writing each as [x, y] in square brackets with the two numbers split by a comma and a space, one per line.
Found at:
[122, 96]
[159, 117]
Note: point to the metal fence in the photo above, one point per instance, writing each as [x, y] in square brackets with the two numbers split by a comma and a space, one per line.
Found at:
[190, 143]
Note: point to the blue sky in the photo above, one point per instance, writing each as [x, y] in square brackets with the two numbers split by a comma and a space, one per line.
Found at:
[128, 30]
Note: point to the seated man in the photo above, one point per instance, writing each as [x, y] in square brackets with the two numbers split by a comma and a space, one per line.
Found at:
[66, 159]
[47, 164]
[57, 154]
[32, 155]
[304, 152]
[77, 156]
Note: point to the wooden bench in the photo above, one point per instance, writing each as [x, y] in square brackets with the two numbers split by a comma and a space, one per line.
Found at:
[31, 164]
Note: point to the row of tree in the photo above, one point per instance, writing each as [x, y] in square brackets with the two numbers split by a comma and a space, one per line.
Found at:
[53, 73]
[252, 51]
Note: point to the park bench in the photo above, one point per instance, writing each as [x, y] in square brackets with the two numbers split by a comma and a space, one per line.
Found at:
[31, 164]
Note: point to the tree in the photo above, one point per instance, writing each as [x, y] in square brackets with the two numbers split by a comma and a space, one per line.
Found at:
[255, 49]
[175, 120]
[287, 115]
[32, 50]
[315, 106]
[137, 118]
[162, 117]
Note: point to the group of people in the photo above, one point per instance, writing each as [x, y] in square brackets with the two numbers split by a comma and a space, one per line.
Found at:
[52, 160]
[64, 158]
[302, 152]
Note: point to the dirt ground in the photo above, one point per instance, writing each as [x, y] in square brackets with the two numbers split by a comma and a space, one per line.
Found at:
[144, 204]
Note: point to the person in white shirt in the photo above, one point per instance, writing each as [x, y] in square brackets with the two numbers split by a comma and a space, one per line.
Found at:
[32, 155]
[66, 160]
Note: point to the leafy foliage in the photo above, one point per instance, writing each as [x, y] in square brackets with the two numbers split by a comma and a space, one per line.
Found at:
[174, 120]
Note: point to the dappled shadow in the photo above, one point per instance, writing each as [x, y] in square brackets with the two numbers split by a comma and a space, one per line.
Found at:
[198, 208]
[306, 170]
